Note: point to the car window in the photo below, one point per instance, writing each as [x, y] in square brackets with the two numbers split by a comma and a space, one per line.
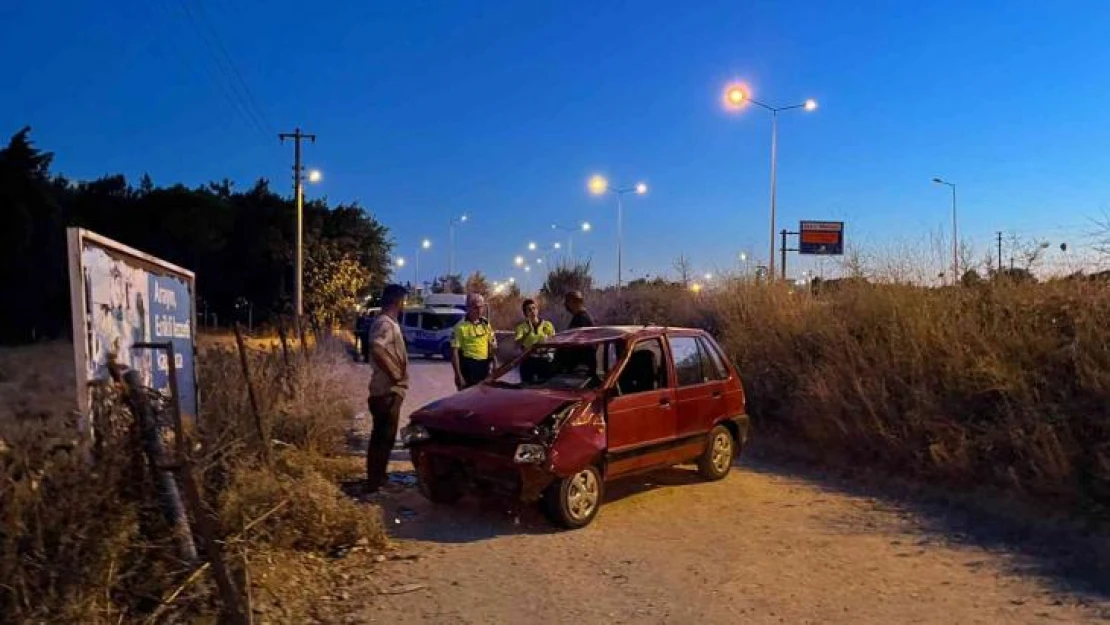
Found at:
[411, 319]
[646, 369]
[687, 360]
[711, 359]
[562, 366]
[438, 321]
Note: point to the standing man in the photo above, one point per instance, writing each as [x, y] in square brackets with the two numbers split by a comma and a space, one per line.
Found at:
[533, 329]
[576, 306]
[474, 345]
[389, 380]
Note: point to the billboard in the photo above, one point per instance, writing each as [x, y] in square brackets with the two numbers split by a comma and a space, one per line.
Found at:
[821, 237]
[119, 297]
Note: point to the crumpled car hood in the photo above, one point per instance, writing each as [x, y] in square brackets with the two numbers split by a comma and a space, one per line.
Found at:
[492, 411]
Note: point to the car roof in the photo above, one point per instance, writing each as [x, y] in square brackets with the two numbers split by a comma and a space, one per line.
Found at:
[596, 334]
[436, 309]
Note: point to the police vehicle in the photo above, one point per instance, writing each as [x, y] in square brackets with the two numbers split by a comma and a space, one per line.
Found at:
[428, 329]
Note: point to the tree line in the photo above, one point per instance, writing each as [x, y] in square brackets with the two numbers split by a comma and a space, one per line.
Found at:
[238, 242]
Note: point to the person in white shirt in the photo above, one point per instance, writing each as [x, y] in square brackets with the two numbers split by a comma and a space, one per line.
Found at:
[389, 380]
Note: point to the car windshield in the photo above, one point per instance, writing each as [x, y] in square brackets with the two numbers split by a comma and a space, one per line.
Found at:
[571, 367]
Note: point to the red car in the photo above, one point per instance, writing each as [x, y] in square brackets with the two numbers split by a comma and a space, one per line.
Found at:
[579, 410]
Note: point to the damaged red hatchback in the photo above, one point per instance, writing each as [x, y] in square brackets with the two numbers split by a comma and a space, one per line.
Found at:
[579, 410]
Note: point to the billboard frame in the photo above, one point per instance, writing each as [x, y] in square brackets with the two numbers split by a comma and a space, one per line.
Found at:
[821, 249]
[76, 240]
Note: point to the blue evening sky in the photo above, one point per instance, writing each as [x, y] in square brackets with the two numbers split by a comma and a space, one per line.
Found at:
[502, 109]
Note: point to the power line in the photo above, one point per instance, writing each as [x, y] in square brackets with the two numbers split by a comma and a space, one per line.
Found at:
[240, 102]
[258, 110]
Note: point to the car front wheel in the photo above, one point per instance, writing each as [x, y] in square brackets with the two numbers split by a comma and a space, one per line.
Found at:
[720, 449]
[573, 502]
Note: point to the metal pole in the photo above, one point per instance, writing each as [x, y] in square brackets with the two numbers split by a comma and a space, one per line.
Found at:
[451, 250]
[620, 218]
[783, 252]
[955, 241]
[416, 271]
[774, 148]
[299, 189]
[999, 252]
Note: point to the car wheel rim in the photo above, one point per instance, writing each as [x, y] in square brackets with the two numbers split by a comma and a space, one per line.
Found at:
[583, 493]
[722, 452]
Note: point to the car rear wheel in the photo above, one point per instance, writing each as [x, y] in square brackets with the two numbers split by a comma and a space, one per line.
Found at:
[720, 449]
[573, 502]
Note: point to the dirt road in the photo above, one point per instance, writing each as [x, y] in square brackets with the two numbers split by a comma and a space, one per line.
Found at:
[763, 546]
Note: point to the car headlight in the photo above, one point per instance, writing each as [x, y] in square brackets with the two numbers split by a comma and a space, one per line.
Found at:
[528, 453]
[413, 433]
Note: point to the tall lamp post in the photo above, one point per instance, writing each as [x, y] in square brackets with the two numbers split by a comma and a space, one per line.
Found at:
[425, 244]
[955, 236]
[598, 185]
[461, 219]
[583, 227]
[735, 97]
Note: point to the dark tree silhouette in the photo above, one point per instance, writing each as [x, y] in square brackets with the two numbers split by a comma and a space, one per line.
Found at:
[239, 243]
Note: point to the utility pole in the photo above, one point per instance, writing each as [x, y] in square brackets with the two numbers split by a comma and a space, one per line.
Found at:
[298, 192]
[999, 234]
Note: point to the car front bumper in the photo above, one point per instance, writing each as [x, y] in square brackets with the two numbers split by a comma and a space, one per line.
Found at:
[481, 470]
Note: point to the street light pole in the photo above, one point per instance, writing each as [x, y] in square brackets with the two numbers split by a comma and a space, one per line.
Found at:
[298, 190]
[735, 96]
[955, 232]
[599, 185]
[451, 244]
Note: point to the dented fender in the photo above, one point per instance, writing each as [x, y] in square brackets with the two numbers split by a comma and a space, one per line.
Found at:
[581, 443]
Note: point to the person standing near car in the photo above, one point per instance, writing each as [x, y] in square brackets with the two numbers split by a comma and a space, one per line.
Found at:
[389, 381]
[533, 329]
[473, 345]
[576, 306]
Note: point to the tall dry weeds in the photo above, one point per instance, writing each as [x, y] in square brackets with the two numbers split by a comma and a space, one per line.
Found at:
[86, 543]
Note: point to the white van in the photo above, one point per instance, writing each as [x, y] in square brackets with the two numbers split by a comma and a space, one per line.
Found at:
[428, 330]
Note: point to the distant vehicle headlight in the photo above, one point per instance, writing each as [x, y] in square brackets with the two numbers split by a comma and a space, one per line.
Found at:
[528, 453]
[413, 433]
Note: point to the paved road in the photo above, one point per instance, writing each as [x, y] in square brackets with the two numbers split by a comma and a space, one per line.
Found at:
[766, 545]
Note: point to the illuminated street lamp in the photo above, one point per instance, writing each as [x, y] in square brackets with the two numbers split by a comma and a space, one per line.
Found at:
[315, 176]
[461, 219]
[519, 261]
[424, 245]
[735, 98]
[400, 262]
[598, 185]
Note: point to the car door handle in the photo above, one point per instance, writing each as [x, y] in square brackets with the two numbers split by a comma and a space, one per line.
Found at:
[665, 402]
[716, 394]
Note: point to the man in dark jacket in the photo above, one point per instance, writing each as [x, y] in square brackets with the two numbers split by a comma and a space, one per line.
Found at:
[576, 306]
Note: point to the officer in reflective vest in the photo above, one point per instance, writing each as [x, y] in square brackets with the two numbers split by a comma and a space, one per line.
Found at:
[533, 329]
[473, 345]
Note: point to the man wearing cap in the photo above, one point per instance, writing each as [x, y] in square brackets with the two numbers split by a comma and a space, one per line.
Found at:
[473, 345]
[389, 380]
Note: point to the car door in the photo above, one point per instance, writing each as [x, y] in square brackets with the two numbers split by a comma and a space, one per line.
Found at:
[410, 329]
[698, 389]
[640, 411]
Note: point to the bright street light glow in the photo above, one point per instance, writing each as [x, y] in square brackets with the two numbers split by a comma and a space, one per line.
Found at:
[518, 261]
[641, 188]
[527, 268]
[598, 185]
[586, 226]
[735, 97]
[743, 256]
[558, 245]
[314, 175]
[695, 287]
[400, 262]
[539, 261]
[811, 105]
[425, 244]
[531, 246]
[512, 280]
[708, 277]
[464, 218]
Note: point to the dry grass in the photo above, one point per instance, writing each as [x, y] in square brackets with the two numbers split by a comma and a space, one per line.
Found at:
[1006, 384]
[81, 543]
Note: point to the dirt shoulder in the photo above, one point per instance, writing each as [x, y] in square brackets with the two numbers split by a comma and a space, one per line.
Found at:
[766, 545]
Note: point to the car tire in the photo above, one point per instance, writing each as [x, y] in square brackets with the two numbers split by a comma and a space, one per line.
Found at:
[573, 502]
[440, 490]
[720, 450]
